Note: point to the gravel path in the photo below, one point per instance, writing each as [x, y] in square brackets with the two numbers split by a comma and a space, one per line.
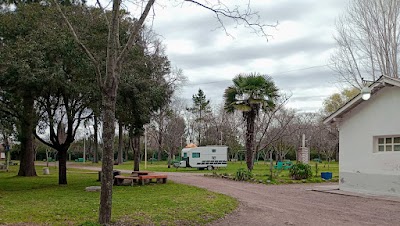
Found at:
[292, 204]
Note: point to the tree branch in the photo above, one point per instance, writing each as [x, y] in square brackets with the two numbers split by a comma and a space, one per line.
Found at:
[43, 141]
[135, 31]
[246, 17]
[104, 12]
[80, 43]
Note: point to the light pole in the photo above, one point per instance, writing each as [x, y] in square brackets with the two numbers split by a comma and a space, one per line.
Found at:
[84, 149]
[145, 147]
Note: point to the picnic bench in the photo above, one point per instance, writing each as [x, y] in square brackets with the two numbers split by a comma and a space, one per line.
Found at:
[49, 159]
[79, 160]
[317, 160]
[147, 178]
[283, 165]
[141, 177]
[119, 179]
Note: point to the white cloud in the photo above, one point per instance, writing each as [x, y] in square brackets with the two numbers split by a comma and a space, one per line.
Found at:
[210, 58]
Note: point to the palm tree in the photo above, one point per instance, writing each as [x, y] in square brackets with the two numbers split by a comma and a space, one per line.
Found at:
[250, 94]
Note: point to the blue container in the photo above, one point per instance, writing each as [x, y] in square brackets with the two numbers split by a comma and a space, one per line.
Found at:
[326, 175]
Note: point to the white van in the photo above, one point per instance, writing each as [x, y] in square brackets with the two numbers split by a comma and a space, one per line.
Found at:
[209, 157]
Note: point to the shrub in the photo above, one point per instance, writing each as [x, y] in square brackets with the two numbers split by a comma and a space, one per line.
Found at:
[243, 174]
[300, 171]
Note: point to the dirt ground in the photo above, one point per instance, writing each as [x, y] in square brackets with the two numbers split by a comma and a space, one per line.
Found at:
[294, 204]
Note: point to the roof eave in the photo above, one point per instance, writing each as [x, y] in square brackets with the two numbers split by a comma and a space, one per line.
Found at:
[347, 107]
[383, 80]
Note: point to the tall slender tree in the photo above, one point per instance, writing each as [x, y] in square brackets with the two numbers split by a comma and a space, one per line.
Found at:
[201, 107]
[250, 94]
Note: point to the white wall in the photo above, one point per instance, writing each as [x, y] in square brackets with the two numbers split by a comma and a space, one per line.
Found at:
[362, 169]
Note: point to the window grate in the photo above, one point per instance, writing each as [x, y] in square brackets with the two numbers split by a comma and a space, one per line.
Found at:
[388, 144]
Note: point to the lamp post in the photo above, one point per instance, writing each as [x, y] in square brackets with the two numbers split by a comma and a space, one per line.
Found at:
[145, 147]
[84, 149]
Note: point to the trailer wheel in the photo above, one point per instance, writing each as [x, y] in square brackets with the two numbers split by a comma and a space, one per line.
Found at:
[210, 167]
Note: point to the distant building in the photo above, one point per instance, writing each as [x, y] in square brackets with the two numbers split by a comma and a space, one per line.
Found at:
[369, 140]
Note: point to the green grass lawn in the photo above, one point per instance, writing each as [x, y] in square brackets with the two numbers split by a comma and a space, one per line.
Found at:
[261, 170]
[40, 200]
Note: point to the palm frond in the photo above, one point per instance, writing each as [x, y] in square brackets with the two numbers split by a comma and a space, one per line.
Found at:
[251, 91]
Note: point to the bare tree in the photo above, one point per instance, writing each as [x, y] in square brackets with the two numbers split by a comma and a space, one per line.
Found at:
[368, 37]
[158, 125]
[226, 129]
[175, 129]
[274, 120]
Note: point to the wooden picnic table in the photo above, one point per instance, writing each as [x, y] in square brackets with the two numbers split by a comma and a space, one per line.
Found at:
[141, 177]
[139, 173]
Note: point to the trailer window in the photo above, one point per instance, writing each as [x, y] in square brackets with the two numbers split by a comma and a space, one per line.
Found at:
[195, 155]
[185, 155]
[214, 150]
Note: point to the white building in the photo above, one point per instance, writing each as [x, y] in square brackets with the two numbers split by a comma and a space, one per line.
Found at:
[369, 140]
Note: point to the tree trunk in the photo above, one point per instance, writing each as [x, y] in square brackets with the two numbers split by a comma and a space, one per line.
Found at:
[250, 119]
[62, 165]
[120, 157]
[126, 148]
[271, 167]
[169, 158]
[107, 159]
[136, 152]
[27, 164]
[109, 94]
[96, 140]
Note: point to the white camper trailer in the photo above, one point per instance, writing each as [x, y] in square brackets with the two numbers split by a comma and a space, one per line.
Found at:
[209, 157]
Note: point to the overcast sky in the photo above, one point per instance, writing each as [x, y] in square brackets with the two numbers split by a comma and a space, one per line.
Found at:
[294, 56]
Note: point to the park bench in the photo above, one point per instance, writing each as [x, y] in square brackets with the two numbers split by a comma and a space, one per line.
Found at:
[279, 165]
[119, 179]
[79, 160]
[149, 177]
[49, 159]
[283, 165]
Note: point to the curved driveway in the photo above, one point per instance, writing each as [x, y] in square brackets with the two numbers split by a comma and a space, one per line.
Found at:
[294, 204]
